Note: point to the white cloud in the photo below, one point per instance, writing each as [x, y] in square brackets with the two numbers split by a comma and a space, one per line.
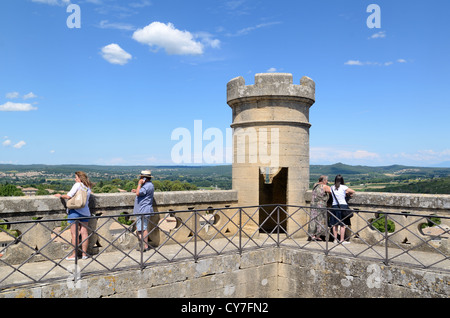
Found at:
[329, 154]
[20, 144]
[271, 70]
[16, 107]
[105, 24]
[207, 39]
[6, 143]
[53, 2]
[379, 35]
[354, 62]
[141, 4]
[114, 54]
[173, 41]
[12, 95]
[247, 30]
[359, 63]
[29, 95]
[424, 157]
[234, 4]
[361, 154]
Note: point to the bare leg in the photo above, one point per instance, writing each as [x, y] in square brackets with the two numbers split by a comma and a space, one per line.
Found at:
[84, 238]
[143, 236]
[73, 232]
[342, 237]
[82, 230]
[335, 233]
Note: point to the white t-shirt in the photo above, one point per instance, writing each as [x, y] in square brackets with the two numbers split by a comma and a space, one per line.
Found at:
[340, 194]
[83, 211]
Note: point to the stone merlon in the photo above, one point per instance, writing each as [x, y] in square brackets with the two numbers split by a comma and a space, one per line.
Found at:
[271, 84]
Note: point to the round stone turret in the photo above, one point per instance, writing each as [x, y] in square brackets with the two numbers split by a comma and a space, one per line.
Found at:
[271, 139]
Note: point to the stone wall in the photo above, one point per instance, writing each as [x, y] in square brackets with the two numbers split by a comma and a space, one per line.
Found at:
[264, 273]
[307, 274]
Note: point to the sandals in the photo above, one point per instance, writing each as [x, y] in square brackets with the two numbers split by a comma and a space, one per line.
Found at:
[73, 258]
[144, 250]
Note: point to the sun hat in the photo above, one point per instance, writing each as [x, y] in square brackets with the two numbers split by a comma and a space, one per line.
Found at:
[146, 173]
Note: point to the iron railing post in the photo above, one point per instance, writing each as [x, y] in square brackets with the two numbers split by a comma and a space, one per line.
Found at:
[278, 226]
[327, 232]
[386, 238]
[240, 231]
[195, 236]
[77, 234]
[141, 241]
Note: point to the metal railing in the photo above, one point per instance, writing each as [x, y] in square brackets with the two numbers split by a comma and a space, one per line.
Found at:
[194, 234]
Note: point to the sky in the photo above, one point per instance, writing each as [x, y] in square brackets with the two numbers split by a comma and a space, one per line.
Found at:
[108, 82]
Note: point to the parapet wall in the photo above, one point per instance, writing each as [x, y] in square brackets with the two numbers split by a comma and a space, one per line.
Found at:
[399, 202]
[20, 208]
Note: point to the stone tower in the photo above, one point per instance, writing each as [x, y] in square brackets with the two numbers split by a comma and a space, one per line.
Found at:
[271, 140]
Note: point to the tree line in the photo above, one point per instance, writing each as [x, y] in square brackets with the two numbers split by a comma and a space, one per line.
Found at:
[112, 186]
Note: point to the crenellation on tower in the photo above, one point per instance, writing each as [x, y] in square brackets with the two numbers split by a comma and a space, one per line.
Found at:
[271, 84]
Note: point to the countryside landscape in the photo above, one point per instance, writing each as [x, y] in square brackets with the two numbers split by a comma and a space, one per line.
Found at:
[15, 180]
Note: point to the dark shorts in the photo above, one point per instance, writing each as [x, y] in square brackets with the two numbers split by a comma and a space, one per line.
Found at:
[337, 217]
[75, 215]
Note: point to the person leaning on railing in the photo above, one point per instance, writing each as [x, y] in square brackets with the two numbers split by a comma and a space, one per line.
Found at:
[143, 204]
[320, 194]
[81, 180]
[337, 219]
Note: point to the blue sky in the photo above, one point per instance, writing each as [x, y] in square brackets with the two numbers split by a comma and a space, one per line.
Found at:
[112, 91]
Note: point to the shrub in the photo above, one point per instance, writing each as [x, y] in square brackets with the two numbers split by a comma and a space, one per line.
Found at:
[379, 224]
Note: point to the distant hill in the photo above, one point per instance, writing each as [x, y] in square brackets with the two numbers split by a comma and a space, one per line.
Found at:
[330, 170]
[445, 164]
[340, 168]
[394, 178]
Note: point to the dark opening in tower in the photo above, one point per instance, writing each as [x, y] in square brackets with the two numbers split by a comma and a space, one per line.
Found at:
[273, 190]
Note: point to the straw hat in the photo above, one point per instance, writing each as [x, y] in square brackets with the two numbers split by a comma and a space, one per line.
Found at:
[146, 173]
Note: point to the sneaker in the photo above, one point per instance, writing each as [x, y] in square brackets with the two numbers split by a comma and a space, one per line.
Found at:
[345, 242]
